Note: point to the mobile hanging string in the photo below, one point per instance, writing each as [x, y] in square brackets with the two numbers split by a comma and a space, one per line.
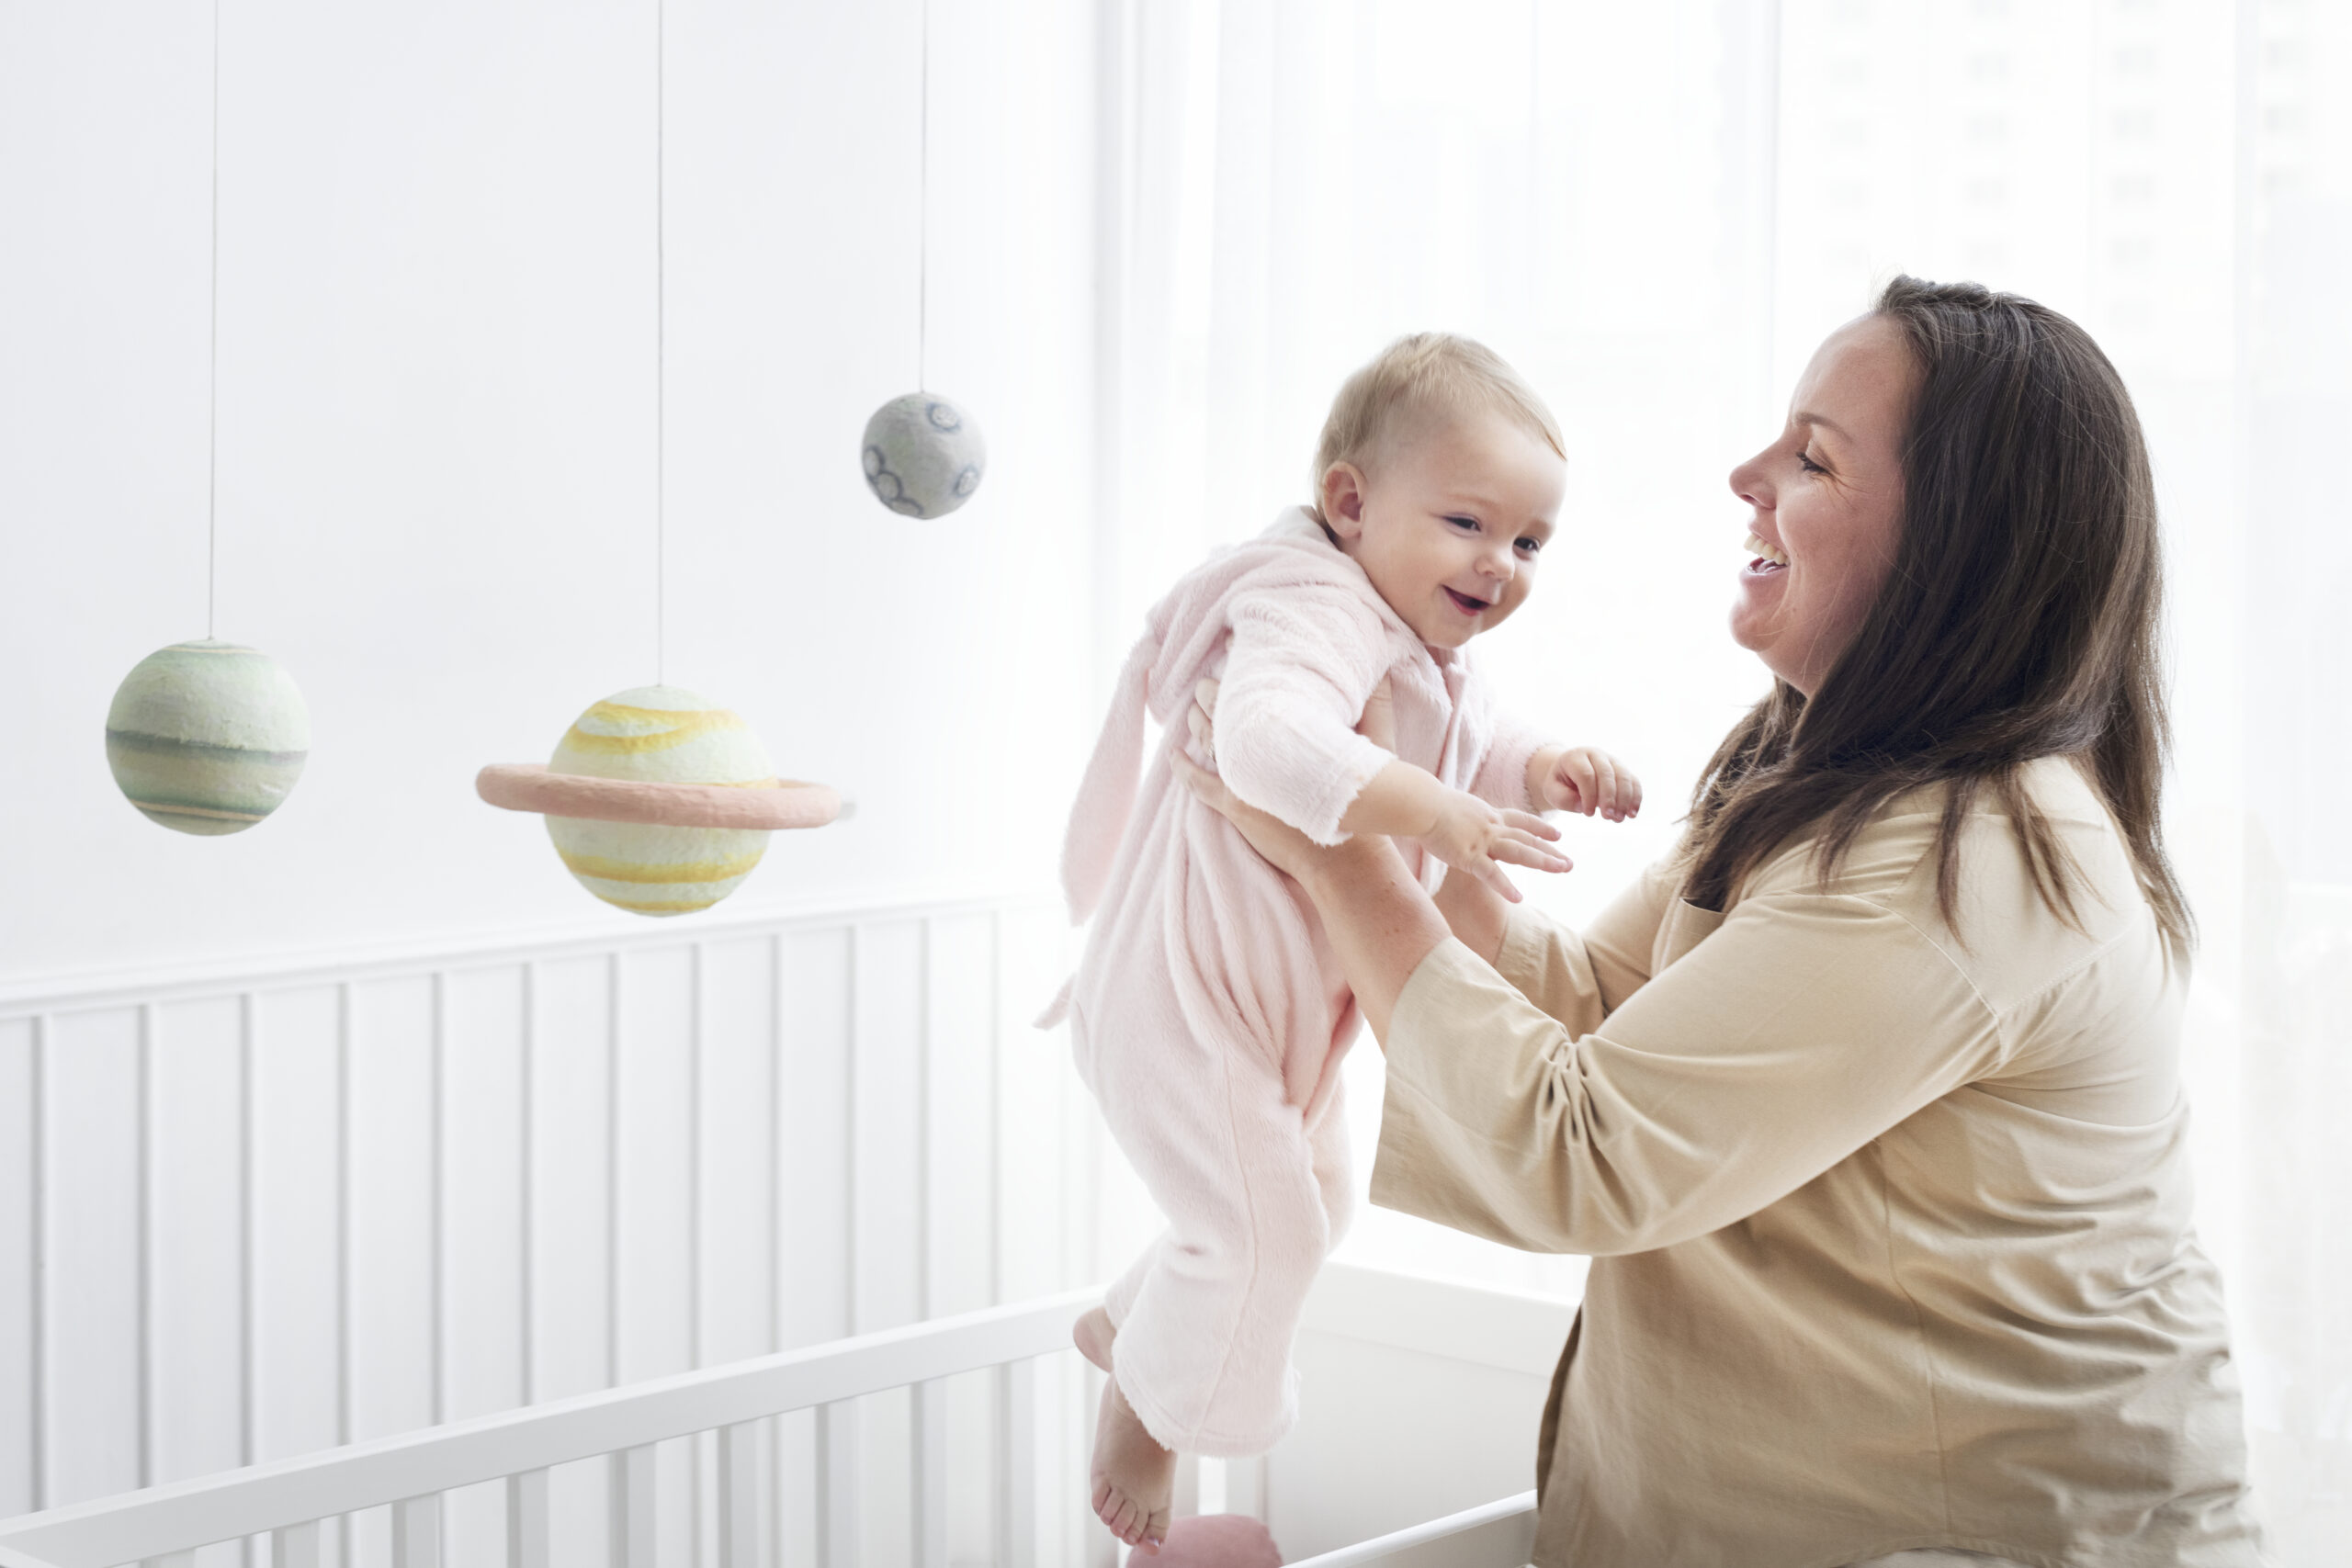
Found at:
[660, 355]
[922, 454]
[923, 214]
[212, 373]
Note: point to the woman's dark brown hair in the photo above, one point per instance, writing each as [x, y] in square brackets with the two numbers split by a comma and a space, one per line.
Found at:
[2020, 621]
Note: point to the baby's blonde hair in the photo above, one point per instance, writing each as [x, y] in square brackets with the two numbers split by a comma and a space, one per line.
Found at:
[1414, 378]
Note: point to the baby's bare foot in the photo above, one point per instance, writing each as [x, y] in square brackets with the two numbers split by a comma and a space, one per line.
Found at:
[1134, 1478]
[1093, 1334]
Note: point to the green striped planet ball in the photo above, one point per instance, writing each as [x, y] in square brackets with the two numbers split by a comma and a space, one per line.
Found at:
[207, 737]
[663, 735]
[923, 456]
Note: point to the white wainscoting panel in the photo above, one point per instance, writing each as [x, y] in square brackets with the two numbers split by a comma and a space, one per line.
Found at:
[243, 1217]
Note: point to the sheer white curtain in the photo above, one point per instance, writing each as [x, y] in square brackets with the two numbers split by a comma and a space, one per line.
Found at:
[1655, 212]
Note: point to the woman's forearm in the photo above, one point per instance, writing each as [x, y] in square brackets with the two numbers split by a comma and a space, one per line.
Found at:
[1478, 917]
[1380, 922]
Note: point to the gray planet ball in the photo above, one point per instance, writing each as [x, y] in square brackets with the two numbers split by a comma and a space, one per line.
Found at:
[923, 455]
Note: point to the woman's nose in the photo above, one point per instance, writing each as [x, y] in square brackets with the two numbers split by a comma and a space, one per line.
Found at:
[1748, 482]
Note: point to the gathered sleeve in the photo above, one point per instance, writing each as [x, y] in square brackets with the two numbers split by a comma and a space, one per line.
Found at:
[1501, 779]
[1553, 966]
[1571, 1102]
[1301, 664]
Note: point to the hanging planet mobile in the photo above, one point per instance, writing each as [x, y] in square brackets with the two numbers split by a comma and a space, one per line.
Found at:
[659, 802]
[924, 456]
[207, 737]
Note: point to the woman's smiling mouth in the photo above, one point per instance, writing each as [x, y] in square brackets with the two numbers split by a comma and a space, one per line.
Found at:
[1466, 604]
[1765, 558]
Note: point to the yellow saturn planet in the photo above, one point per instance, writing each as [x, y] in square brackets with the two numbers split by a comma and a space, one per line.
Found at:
[660, 801]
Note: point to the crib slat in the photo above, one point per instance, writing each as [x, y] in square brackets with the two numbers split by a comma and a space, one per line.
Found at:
[931, 1473]
[295, 1546]
[739, 1495]
[631, 1489]
[416, 1532]
[837, 1523]
[1016, 1463]
[526, 1519]
[173, 1560]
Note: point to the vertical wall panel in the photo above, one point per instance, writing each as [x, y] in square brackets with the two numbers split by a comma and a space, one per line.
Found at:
[572, 1103]
[737, 1174]
[19, 1242]
[815, 990]
[961, 1153]
[394, 1364]
[578, 1514]
[814, 1080]
[655, 1267]
[888, 1187]
[197, 1124]
[294, 1203]
[1032, 1075]
[959, 1100]
[482, 1220]
[91, 1225]
[886, 1115]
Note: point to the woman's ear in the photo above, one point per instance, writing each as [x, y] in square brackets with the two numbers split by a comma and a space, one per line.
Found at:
[1343, 500]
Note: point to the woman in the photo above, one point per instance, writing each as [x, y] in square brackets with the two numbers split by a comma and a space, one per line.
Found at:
[1866, 1102]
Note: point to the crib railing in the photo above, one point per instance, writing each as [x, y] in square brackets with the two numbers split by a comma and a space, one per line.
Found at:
[289, 1501]
[582, 1482]
[1499, 1535]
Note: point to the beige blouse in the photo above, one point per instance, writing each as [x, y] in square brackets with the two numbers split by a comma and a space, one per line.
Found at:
[1890, 1217]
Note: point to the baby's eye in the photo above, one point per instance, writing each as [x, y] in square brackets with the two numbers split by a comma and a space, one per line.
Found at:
[1469, 525]
[1529, 546]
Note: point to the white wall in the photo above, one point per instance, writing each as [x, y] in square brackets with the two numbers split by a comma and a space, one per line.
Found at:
[435, 436]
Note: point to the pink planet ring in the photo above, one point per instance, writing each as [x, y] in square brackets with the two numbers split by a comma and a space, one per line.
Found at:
[528, 786]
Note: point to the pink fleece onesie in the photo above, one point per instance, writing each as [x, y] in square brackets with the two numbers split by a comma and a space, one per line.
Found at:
[1209, 1013]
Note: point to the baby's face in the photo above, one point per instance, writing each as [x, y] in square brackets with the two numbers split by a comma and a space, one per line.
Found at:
[1449, 523]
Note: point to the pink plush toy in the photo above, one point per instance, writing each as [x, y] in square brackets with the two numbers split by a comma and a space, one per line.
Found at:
[1218, 1540]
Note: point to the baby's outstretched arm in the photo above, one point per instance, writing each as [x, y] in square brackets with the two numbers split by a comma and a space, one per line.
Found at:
[1406, 802]
[1402, 801]
[1583, 779]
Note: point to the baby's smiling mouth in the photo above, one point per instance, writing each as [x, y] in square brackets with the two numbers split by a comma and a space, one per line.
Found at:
[1466, 604]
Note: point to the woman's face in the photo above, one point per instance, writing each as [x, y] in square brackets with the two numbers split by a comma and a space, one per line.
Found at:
[1826, 495]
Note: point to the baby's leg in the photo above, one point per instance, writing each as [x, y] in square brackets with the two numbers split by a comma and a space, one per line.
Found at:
[1128, 1463]
[1094, 1332]
[1202, 1348]
[1199, 1355]
[1334, 1166]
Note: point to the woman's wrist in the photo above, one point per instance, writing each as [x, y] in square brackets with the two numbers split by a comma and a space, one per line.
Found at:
[1478, 917]
[1347, 868]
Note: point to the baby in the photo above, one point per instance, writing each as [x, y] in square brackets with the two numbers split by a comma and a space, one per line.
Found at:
[1209, 1014]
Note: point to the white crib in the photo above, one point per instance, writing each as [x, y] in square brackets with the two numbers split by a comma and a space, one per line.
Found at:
[1414, 1448]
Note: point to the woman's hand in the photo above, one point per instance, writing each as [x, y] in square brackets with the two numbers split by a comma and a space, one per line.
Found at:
[1380, 922]
[1284, 848]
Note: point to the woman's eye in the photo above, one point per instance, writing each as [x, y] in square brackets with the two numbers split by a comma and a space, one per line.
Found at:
[1804, 461]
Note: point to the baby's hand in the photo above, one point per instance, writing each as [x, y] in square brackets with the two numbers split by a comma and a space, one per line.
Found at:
[1473, 836]
[1587, 780]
